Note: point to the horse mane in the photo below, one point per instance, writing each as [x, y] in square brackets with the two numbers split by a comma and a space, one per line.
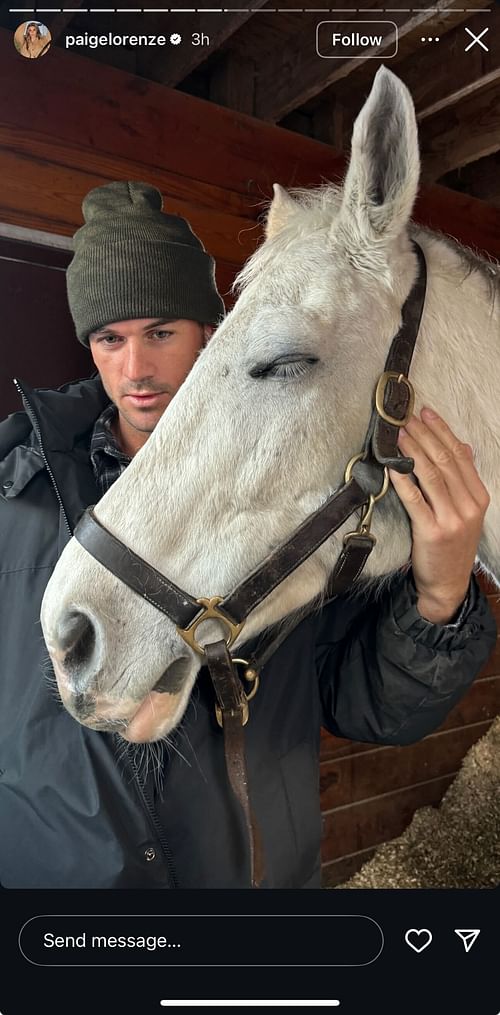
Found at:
[472, 260]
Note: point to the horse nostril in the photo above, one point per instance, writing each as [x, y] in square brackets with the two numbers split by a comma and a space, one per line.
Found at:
[76, 637]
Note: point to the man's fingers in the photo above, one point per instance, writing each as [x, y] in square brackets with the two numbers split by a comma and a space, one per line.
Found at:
[413, 501]
[453, 457]
[441, 483]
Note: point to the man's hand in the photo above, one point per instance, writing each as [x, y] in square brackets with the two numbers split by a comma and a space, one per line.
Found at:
[446, 513]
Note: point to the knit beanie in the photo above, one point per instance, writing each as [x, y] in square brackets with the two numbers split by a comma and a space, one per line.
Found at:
[132, 260]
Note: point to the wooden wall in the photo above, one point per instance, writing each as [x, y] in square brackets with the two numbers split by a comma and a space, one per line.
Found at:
[67, 125]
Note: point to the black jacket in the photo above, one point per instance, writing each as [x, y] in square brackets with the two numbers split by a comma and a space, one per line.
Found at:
[78, 812]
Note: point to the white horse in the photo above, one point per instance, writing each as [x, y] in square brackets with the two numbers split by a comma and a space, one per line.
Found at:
[261, 431]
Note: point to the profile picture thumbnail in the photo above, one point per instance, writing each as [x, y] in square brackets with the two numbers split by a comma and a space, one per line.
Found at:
[32, 39]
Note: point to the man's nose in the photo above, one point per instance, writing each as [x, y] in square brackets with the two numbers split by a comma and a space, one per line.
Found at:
[138, 365]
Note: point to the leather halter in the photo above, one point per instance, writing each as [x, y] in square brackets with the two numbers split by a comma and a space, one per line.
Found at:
[393, 408]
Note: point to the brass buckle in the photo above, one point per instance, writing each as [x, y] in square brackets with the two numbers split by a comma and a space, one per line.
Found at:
[360, 531]
[252, 677]
[210, 612]
[392, 375]
[244, 715]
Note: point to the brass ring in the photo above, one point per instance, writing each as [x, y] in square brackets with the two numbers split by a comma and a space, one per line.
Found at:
[254, 680]
[210, 612]
[352, 461]
[374, 497]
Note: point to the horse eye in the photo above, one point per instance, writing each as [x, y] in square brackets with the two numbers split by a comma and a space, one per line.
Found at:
[285, 368]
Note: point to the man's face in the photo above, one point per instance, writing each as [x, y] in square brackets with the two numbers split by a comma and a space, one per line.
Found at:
[142, 363]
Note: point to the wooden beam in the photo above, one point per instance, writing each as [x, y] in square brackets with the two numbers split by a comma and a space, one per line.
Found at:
[298, 74]
[328, 123]
[457, 72]
[110, 112]
[114, 125]
[481, 179]
[298, 122]
[439, 74]
[473, 223]
[60, 22]
[180, 61]
[462, 134]
[104, 167]
[121, 57]
[229, 237]
[232, 83]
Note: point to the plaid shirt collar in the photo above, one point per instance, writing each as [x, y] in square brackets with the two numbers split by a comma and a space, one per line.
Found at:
[107, 458]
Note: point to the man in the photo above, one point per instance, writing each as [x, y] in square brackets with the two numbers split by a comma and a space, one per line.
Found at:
[75, 808]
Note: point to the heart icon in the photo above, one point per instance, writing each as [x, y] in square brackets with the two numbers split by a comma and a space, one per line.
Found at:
[418, 939]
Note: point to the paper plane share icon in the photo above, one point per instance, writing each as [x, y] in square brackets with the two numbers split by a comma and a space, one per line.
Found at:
[468, 937]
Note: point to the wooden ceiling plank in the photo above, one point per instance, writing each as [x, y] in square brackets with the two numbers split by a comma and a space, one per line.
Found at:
[172, 66]
[463, 134]
[60, 22]
[114, 115]
[465, 72]
[441, 75]
[110, 111]
[480, 179]
[107, 167]
[232, 83]
[27, 199]
[299, 75]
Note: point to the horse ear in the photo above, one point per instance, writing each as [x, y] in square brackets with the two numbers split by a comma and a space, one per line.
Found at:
[279, 211]
[382, 180]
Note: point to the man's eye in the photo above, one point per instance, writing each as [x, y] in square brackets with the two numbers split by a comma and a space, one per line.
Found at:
[162, 333]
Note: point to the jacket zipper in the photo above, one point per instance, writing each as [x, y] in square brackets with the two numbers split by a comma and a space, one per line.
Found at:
[144, 794]
[36, 427]
[157, 827]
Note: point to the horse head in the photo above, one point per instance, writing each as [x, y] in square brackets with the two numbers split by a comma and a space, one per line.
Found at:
[256, 439]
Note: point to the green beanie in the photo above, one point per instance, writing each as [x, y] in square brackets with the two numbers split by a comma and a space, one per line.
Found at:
[132, 260]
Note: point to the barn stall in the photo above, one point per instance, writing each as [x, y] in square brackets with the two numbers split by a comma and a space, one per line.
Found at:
[214, 139]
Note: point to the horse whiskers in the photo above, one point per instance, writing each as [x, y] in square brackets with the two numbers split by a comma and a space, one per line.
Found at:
[149, 758]
[159, 771]
[170, 744]
[183, 732]
[139, 757]
[121, 750]
[50, 678]
[152, 753]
